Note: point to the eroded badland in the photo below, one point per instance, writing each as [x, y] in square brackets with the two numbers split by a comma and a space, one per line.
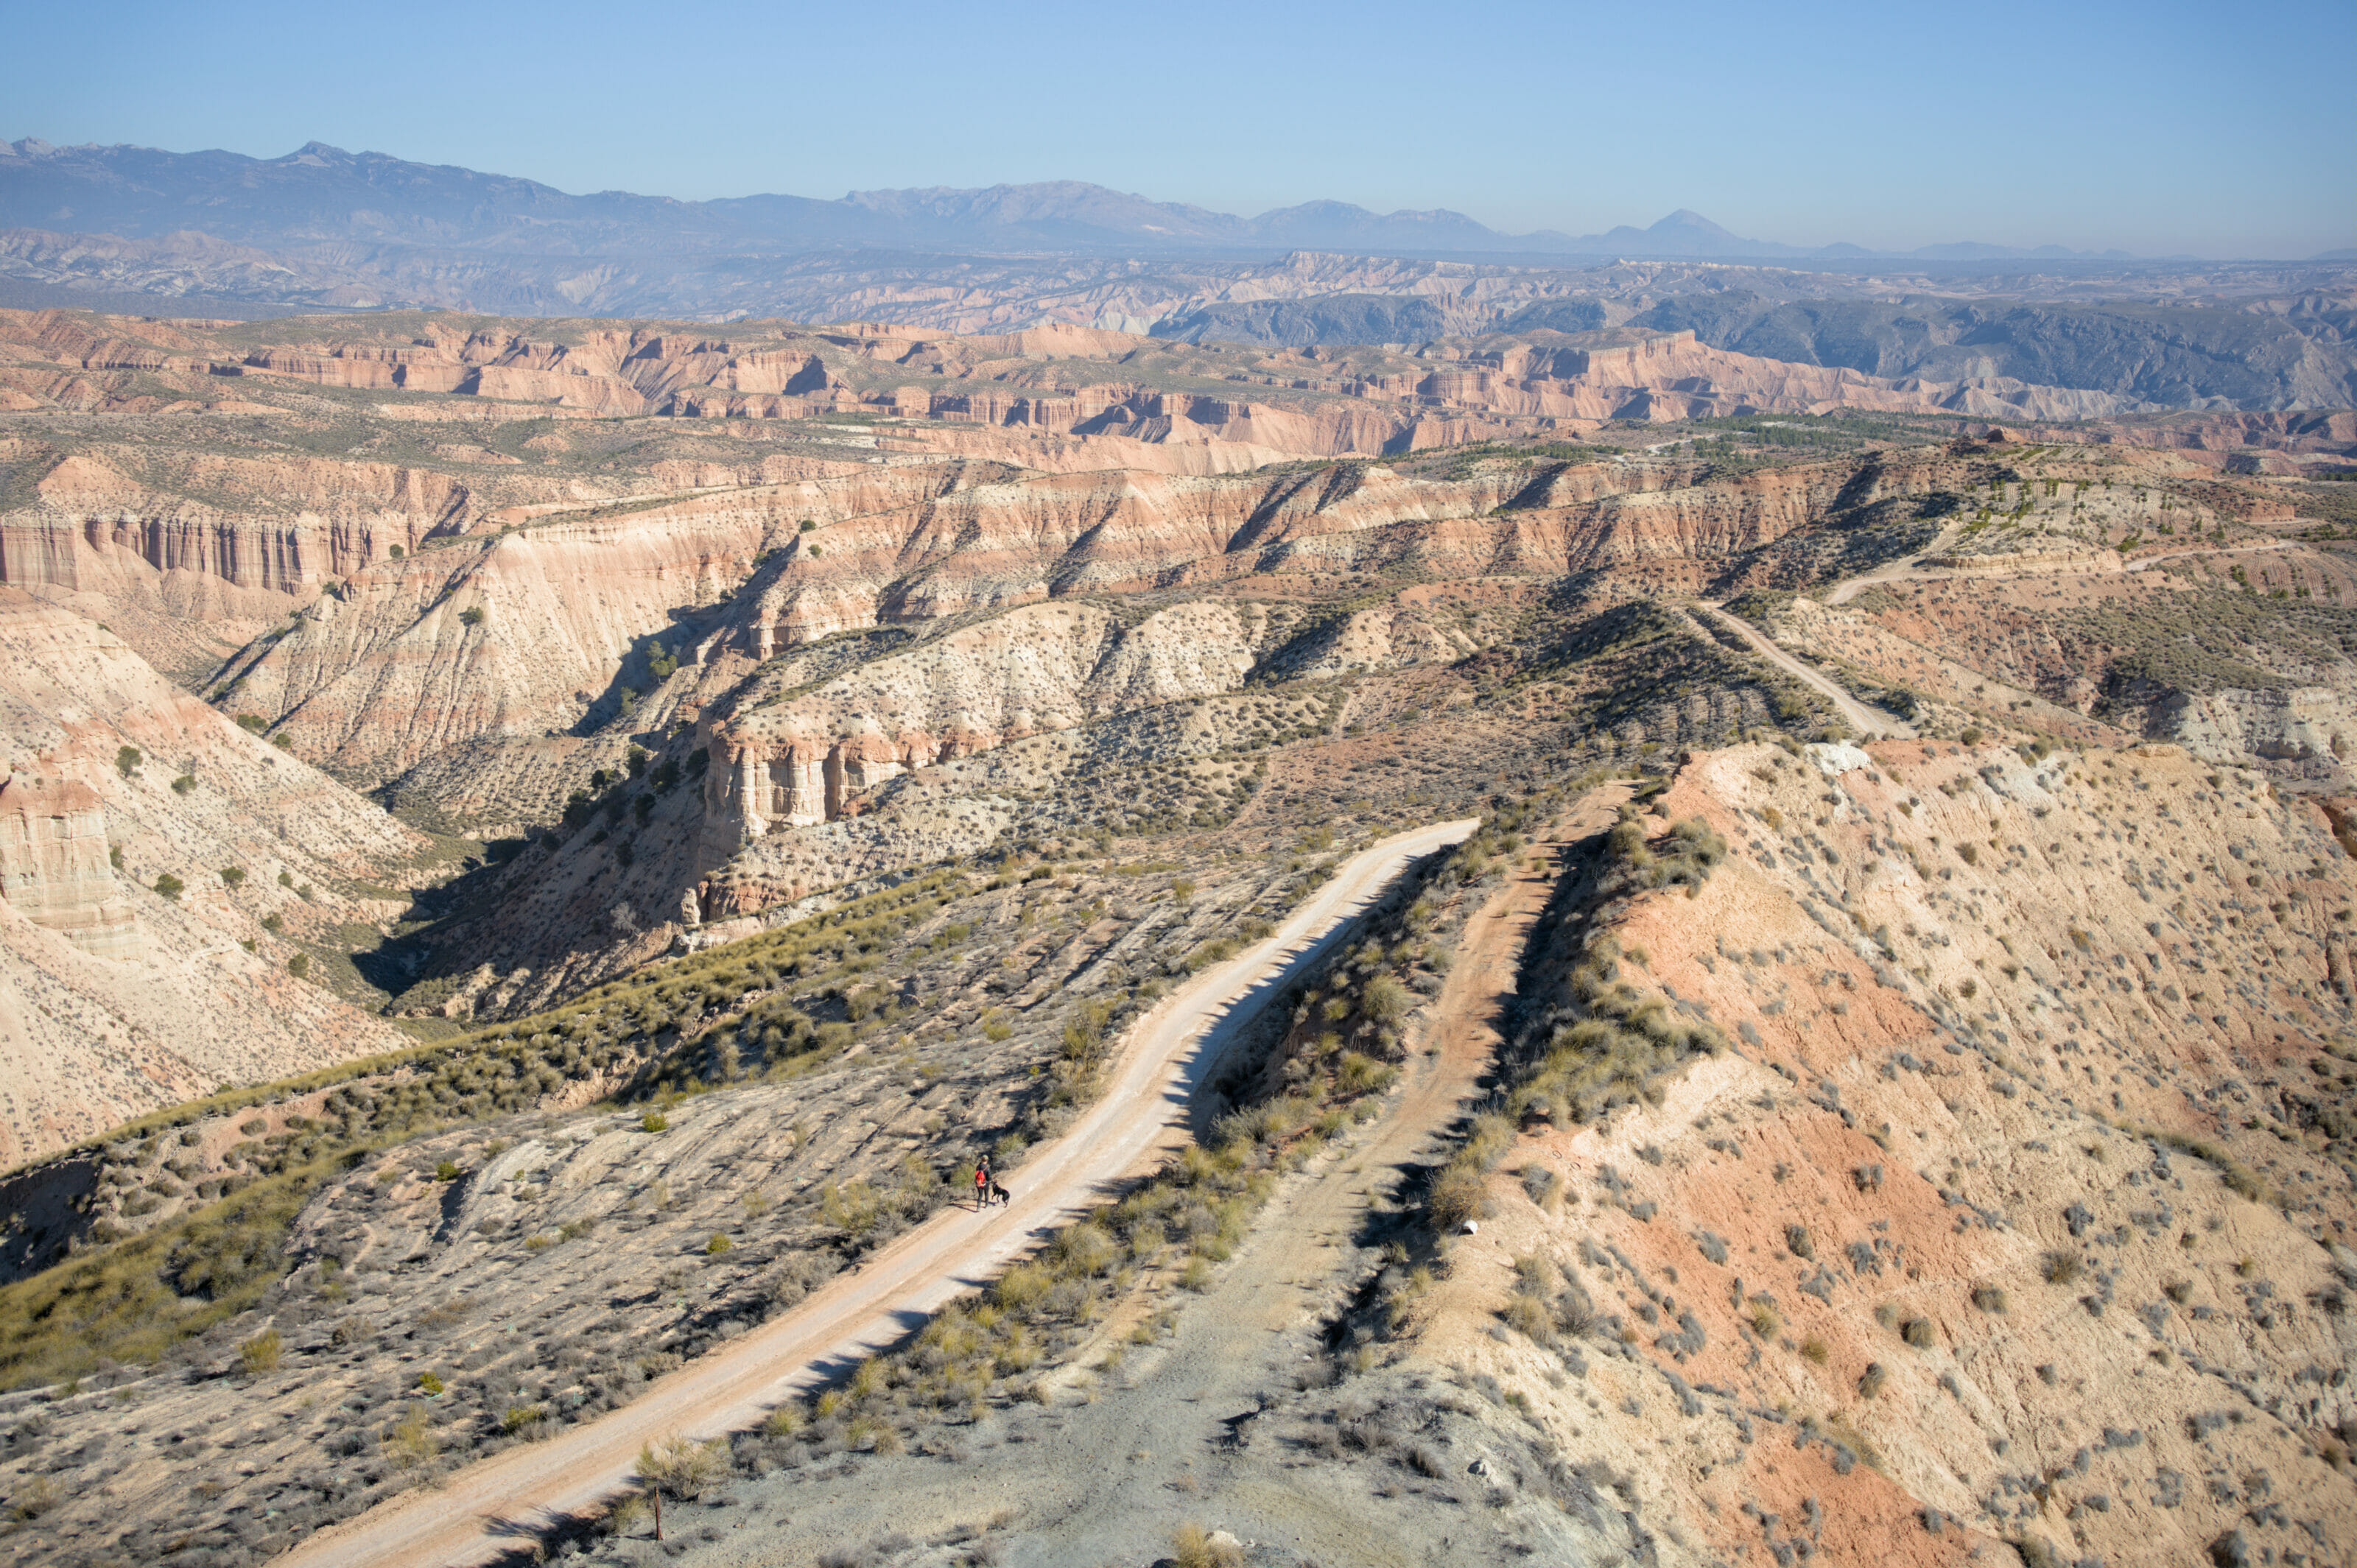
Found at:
[535, 855]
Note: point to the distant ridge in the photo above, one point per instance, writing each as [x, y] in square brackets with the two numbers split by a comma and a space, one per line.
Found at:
[321, 193]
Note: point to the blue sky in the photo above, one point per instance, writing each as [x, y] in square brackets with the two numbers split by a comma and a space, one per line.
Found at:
[2155, 127]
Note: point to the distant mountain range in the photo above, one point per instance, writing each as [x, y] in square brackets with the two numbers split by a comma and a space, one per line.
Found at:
[323, 194]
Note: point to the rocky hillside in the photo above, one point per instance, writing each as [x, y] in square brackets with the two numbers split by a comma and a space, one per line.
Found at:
[2010, 1195]
[161, 872]
[526, 847]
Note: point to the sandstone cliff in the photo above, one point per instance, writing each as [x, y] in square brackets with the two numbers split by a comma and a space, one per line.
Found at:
[54, 867]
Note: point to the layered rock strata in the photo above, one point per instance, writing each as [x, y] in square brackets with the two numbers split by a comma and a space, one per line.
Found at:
[53, 865]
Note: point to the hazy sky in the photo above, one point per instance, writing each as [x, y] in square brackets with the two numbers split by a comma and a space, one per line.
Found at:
[2154, 127]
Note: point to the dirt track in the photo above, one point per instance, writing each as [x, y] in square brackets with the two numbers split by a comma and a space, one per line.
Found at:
[1870, 722]
[1119, 1455]
[480, 1510]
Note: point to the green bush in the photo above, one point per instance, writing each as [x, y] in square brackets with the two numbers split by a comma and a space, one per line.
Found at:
[130, 1300]
[1686, 856]
[169, 886]
[126, 760]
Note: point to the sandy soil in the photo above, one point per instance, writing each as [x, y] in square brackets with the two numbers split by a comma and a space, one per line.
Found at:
[476, 1513]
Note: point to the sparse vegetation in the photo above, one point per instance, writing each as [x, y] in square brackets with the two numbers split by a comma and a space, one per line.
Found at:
[262, 1353]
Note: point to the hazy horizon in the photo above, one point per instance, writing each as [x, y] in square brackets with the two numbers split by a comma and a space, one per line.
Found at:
[2156, 131]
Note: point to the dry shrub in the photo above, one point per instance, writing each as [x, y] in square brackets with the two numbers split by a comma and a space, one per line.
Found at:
[681, 1466]
[411, 1441]
[1457, 1193]
[1528, 1315]
[1192, 1546]
[261, 1354]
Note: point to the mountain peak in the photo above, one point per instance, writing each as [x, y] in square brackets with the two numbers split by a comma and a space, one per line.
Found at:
[1687, 219]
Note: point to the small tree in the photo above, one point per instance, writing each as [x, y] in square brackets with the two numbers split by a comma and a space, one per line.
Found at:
[471, 615]
[169, 886]
[233, 876]
[126, 760]
[681, 1466]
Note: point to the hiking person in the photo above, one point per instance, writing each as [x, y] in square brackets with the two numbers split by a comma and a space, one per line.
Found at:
[981, 1184]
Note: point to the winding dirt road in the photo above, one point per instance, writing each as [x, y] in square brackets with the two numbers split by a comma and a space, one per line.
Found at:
[493, 1506]
[1870, 722]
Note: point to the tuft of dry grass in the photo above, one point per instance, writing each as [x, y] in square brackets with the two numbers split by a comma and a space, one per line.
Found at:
[1192, 1546]
[262, 1353]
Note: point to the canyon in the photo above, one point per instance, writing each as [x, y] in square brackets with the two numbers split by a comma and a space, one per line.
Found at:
[530, 848]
